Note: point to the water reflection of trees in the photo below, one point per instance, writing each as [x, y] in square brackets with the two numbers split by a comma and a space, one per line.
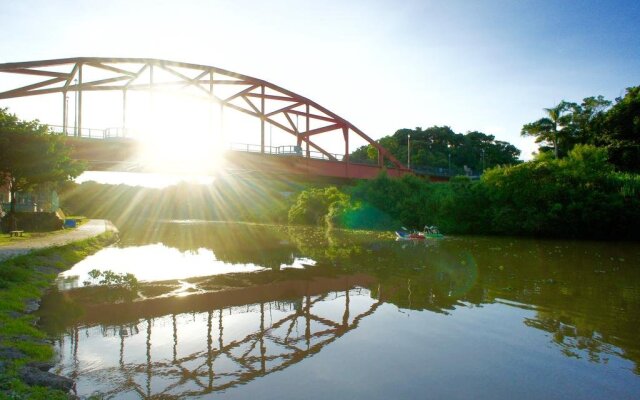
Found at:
[574, 341]
[585, 294]
[264, 245]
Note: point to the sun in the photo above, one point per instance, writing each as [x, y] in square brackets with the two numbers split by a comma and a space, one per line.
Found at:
[188, 154]
[180, 135]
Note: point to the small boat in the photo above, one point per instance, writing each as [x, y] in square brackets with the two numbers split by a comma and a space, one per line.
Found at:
[428, 232]
[409, 235]
[432, 232]
[434, 235]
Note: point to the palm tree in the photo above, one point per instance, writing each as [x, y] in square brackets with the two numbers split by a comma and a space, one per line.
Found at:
[548, 129]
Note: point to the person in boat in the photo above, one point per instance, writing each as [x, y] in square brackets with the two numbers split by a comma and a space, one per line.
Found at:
[430, 229]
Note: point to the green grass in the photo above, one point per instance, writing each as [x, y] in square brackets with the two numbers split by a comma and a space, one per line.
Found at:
[5, 238]
[23, 278]
[76, 217]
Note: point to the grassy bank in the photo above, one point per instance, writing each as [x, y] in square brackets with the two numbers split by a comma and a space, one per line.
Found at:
[23, 279]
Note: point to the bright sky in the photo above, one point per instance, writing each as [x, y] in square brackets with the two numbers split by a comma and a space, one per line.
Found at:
[488, 65]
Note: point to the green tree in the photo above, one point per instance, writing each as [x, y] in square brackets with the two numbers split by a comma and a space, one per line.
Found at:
[577, 196]
[30, 155]
[312, 205]
[480, 151]
[620, 131]
[435, 146]
[586, 119]
[548, 130]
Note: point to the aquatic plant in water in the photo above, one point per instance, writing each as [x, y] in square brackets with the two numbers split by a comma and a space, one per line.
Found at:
[110, 278]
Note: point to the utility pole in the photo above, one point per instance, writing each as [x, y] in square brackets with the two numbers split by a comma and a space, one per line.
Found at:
[65, 113]
[75, 110]
[409, 151]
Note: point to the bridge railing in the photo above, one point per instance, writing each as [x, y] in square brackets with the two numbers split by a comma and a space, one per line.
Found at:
[286, 150]
[282, 151]
[91, 133]
[446, 172]
[118, 133]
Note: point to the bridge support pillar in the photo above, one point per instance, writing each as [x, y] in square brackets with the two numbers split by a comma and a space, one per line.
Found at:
[79, 105]
[262, 117]
[124, 112]
[221, 127]
[65, 112]
[345, 133]
[307, 127]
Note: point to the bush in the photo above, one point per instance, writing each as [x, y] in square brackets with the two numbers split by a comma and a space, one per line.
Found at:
[358, 216]
[312, 206]
[33, 222]
[577, 197]
[580, 196]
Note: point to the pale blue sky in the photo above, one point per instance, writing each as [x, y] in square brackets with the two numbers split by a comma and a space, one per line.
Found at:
[488, 65]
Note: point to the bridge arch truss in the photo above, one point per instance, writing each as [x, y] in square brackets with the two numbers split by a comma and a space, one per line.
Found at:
[215, 358]
[269, 103]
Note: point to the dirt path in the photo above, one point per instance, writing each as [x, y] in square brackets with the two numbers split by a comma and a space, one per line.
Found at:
[91, 228]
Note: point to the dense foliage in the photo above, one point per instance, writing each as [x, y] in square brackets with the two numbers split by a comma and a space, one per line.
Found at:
[620, 132]
[594, 121]
[312, 206]
[333, 208]
[580, 196]
[434, 147]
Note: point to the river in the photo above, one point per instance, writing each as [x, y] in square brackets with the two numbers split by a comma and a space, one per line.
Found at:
[230, 310]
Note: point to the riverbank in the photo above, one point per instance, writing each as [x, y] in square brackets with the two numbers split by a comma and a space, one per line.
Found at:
[87, 230]
[25, 352]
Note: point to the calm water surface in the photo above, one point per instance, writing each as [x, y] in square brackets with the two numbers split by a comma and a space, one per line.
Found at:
[252, 311]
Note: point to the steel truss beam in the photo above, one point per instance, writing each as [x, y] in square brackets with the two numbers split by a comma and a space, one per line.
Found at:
[125, 74]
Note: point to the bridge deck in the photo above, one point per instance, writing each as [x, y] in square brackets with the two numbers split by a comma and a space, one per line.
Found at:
[124, 155]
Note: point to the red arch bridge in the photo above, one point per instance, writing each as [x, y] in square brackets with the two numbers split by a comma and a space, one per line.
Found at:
[303, 120]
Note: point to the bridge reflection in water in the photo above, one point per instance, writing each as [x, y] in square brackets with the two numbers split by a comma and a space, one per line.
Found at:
[195, 353]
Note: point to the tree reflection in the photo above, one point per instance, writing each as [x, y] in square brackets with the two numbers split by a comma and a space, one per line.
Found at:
[584, 295]
[263, 245]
